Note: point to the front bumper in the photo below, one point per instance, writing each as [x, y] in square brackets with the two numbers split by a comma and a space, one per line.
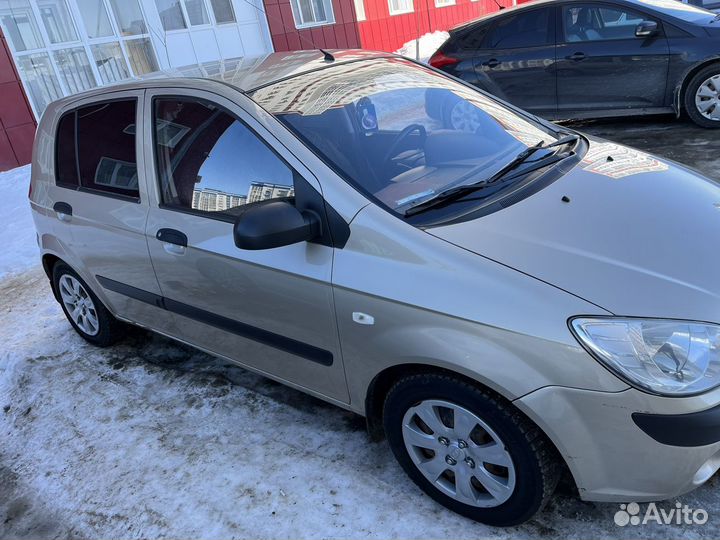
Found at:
[613, 458]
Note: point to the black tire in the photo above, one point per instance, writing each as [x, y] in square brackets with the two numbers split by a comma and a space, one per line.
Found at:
[110, 330]
[689, 97]
[537, 464]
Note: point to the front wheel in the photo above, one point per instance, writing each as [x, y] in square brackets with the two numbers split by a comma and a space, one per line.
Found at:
[702, 97]
[468, 450]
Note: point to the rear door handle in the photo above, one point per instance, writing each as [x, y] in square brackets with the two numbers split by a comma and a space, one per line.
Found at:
[63, 210]
[577, 57]
[492, 63]
[174, 242]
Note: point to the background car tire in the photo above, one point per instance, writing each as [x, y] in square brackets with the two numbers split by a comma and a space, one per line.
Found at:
[537, 466]
[691, 92]
[108, 328]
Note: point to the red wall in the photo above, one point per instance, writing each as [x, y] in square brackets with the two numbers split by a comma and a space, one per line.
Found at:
[385, 32]
[17, 122]
[285, 37]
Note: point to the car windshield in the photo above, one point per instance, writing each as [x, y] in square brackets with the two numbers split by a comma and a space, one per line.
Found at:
[400, 132]
[680, 10]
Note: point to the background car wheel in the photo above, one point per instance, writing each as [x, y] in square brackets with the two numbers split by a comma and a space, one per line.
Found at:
[702, 97]
[469, 450]
[87, 315]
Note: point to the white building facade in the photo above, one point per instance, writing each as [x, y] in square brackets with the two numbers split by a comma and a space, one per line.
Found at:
[61, 47]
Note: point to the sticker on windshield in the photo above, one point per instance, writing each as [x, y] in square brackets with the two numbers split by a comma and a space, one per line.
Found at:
[367, 116]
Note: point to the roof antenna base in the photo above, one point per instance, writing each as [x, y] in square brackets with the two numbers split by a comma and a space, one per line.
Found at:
[328, 57]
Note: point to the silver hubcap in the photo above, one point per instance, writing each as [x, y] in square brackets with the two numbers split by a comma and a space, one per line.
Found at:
[707, 99]
[79, 305]
[459, 453]
[465, 117]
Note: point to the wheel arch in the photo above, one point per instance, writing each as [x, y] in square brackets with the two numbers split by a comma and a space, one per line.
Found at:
[681, 89]
[384, 381]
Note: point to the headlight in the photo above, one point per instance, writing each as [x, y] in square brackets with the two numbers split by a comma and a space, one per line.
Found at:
[667, 357]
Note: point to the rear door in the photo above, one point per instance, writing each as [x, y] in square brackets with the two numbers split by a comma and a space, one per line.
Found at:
[518, 57]
[602, 65]
[271, 310]
[101, 202]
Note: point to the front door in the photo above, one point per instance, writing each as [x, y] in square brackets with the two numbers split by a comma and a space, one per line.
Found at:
[518, 57]
[271, 310]
[602, 65]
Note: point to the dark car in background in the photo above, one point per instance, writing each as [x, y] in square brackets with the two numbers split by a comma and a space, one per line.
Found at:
[572, 59]
[714, 5]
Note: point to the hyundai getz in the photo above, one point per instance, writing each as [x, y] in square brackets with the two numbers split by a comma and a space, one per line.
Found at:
[505, 300]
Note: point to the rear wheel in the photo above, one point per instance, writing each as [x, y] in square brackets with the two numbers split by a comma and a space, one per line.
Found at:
[468, 450]
[87, 315]
[702, 97]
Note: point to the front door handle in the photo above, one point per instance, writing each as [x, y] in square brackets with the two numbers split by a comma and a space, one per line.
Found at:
[577, 57]
[63, 210]
[174, 242]
[492, 63]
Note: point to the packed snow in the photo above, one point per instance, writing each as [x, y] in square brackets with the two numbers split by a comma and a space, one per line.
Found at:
[20, 250]
[150, 438]
[429, 43]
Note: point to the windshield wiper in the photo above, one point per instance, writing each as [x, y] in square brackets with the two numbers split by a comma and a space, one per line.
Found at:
[460, 191]
[716, 19]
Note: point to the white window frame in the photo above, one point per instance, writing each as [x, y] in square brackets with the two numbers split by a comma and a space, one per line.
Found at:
[297, 15]
[410, 9]
[360, 10]
[444, 3]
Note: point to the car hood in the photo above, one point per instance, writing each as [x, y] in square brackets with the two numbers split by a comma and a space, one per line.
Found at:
[640, 236]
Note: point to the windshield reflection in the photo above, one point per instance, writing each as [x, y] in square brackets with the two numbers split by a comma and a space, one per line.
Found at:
[398, 131]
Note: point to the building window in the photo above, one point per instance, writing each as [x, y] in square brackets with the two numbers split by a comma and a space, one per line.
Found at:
[312, 12]
[197, 14]
[20, 25]
[398, 7]
[129, 17]
[95, 17]
[223, 11]
[75, 70]
[360, 10]
[110, 62]
[39, 78]
[175, 14]
[58, 23]
[444, 3]
[141, 56]
[171, 14]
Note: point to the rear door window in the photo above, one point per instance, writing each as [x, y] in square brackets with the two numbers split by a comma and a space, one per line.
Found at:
[95, 149]
[526, 29]
[106, 147]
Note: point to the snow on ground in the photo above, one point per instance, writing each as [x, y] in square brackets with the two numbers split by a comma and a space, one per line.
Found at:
[150, 438]
[19, 250]
[429, 43]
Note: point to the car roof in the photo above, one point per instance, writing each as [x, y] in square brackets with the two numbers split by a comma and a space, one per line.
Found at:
[244, 74]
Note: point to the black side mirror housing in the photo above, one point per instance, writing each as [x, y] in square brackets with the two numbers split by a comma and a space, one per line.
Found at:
[646, 29]
[275, 224]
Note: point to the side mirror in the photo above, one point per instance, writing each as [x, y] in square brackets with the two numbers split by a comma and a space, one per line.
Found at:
[275, 224]
[646, 29]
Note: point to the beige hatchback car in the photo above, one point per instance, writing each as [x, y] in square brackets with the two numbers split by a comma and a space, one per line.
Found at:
[504, 299]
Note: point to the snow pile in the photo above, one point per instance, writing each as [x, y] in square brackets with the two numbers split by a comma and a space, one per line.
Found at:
[429, 43]
[20, 250]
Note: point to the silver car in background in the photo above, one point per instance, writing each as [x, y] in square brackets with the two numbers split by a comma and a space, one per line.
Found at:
[505, 300]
